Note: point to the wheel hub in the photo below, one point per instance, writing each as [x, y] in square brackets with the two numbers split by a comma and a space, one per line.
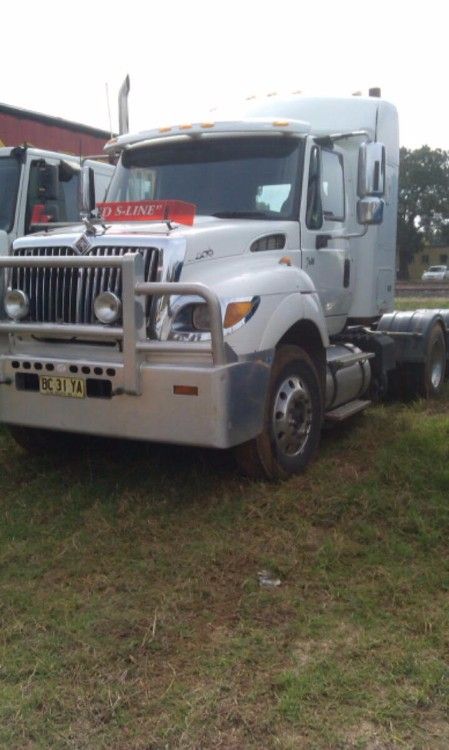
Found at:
[437, 364]
[292, 416]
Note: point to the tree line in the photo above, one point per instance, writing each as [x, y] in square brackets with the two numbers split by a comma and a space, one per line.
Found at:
[423, 207]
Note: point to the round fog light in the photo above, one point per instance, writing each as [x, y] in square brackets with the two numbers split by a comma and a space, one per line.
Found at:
[16, 304]
[107, 307]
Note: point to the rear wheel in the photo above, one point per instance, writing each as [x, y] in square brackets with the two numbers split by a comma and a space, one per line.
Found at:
[426, 379]
[292, 423]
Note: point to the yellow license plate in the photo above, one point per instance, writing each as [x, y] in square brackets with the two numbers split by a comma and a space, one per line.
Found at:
[60, 386]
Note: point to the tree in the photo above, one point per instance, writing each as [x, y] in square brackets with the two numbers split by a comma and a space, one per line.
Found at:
[423, 208]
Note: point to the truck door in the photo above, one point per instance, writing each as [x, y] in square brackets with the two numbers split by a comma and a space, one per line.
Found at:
[325, 257]
[53, 188]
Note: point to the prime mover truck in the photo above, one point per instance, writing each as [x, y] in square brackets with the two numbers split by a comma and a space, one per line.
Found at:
[39, 187]
[236, 290]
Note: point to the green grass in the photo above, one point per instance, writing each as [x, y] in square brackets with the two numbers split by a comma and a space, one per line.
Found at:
[414, 303]
[132, 617]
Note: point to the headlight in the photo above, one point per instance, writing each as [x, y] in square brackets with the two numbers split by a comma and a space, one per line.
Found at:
[195, 318]
[107, 307]
[16, 304]
[201, 318]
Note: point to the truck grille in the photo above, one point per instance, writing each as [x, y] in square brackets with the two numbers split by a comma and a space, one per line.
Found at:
[66, 295]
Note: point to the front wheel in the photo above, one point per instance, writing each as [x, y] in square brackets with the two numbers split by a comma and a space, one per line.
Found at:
[292, 422]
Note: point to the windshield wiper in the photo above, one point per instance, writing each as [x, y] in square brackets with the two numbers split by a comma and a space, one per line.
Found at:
[243, 215]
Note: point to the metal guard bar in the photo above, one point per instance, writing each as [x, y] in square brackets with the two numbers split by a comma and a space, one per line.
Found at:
[133, 336]
[193, 289]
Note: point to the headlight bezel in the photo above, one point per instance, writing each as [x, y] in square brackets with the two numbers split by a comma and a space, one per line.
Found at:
[21, 302]
[184, 323]
[107, 307]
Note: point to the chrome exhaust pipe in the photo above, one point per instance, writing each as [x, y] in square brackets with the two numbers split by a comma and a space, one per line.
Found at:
[123, 114]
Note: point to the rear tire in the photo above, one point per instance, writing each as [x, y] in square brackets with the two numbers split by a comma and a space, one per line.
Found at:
[426, 379]
[292, 422]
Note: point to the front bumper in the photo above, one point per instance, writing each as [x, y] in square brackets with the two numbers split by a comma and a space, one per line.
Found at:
[136, 395]
[227, 410]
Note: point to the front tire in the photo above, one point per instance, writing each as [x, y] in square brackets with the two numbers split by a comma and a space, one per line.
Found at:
[292, 421]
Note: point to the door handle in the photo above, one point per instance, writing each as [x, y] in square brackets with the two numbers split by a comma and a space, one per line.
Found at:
[346, 273]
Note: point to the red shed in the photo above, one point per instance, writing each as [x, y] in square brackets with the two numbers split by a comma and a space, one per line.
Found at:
[18, 126]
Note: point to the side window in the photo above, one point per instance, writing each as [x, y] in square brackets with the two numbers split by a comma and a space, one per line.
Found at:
[314, 210]
[332, 186]
[101, 185]
[53, 193]
[325, 188]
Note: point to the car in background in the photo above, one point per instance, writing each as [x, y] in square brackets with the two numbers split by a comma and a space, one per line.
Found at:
[436, 273]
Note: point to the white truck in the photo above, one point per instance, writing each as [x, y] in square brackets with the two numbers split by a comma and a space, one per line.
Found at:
[39, 187]
[236, 292]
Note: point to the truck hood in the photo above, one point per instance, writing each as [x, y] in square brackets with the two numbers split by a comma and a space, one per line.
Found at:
[209, 238]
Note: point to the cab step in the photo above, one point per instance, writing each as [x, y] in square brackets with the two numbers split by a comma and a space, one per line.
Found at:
[347, 410]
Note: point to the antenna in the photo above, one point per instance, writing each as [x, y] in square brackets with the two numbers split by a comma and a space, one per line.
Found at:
[109, 108]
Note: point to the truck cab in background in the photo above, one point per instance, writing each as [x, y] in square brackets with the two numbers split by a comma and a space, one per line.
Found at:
[236, 290]
[40, 187]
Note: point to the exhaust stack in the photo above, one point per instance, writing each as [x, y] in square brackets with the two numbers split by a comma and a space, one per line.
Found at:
[123, 115]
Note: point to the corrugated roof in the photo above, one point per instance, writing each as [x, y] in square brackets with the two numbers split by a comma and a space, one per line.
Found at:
[27, 114]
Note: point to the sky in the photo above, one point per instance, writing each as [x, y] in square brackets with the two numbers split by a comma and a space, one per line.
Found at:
[187, 58]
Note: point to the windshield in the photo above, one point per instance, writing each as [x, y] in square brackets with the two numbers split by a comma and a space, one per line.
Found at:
[255, 177]
[9, 183]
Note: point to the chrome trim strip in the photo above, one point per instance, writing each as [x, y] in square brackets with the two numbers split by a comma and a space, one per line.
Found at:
[61, 330]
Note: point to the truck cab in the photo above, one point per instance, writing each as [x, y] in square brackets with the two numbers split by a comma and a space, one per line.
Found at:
[41, 187]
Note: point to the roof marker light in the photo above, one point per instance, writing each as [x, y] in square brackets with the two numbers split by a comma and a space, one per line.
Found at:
[207, 124]
[165, 129]
[281, 123]
[185, 127]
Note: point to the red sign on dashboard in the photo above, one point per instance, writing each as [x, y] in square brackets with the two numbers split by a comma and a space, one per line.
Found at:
[171, 210]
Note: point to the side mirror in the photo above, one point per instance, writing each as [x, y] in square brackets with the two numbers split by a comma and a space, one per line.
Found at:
[87, 191]
[4, 243]
[371, 173]
[370, 211]
[48, 181]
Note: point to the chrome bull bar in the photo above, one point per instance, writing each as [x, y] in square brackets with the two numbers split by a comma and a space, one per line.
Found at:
[132, 333]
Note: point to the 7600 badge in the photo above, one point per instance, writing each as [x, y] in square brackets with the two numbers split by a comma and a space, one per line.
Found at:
[57, 386]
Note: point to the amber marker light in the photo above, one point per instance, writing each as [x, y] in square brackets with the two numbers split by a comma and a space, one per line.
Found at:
[285, 261]
[185, 127]
[164, 130]
[207, 124]
[281, 123]
[235, 312]
[185, 390]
